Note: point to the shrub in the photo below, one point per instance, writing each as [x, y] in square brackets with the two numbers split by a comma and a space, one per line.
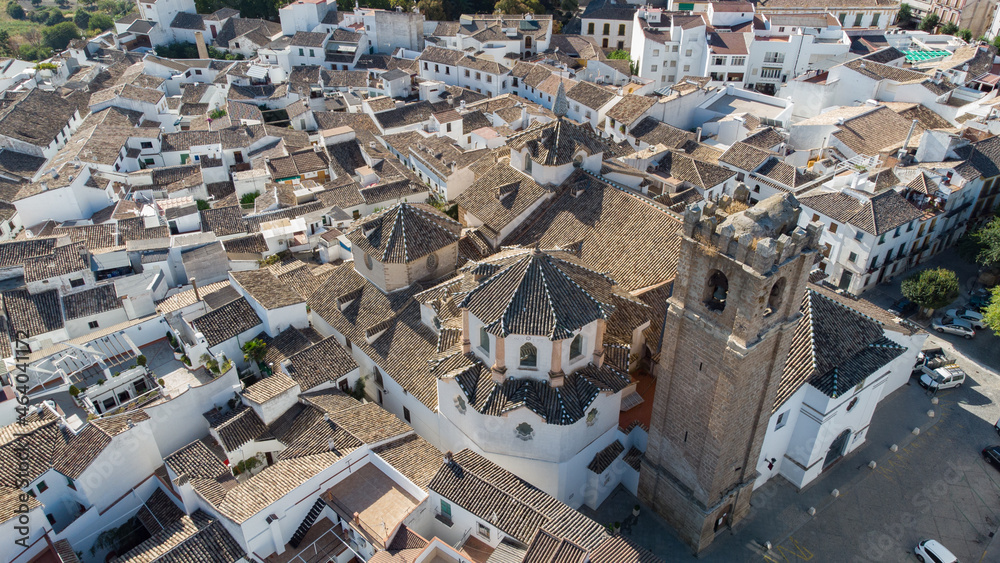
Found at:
[58, 36]
[161, 382]
[81, 18]
[15, 11]
[46, 66]
[248, 199]
[202, 204]
[186, 360]
[217, 113]
[101, 22]
[141, 360]
[73, 391]
[55, 17]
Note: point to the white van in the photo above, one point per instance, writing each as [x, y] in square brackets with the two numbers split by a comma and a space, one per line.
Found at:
[931, 551]
[942, 378]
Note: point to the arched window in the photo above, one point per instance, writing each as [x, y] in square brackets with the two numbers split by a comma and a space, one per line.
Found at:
[716, 291]
[576, 347]
[527, 42]
[484, 339]
[776, 297]
[529, 356]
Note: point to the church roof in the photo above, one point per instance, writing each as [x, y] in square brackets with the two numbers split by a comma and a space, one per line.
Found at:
[557, 142]
[405, 232]
[531, 292]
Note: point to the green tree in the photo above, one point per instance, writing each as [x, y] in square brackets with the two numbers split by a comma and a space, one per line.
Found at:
[929, 22]
[904, 16]
[992, 312]
[965, 35]
[569, 6]
[36, 3]
[101, 22]
[988, 243]
[255, 350]
[81, 18]
[619, 54]
[433, 10]
[519, 7]
[88, 3]
[15, 11]
[58, 36]
[5, 49]
[931, 289]
[996, 42]
[949, 29]
[55, 17]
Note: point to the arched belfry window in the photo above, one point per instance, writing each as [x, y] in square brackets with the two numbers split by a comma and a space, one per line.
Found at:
[576, 347]
[529, 356]
[775, 298]
[716, 291]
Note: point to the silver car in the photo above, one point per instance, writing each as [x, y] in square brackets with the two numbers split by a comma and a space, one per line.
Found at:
[975, 319]
[952, 325]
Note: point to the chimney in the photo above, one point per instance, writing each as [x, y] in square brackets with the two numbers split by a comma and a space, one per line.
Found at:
[199, 39]
[697, 133]
[197, 295]
[448, 457]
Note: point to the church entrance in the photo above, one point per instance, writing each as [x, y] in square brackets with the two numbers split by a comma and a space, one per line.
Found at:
[837, 448]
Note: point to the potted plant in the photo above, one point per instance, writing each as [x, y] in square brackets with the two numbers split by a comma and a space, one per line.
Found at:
[635, 510]
[186, 360]
[161, 382]
[618, 528]
[141, 360]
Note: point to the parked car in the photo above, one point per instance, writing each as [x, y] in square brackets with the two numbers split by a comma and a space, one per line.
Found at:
[951, 325]
[904, 308]
[975, 319]
[931, 551]
[944, 377]
[992, 456]
[980, 299]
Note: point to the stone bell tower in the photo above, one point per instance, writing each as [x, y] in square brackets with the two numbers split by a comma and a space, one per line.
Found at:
[727, 333]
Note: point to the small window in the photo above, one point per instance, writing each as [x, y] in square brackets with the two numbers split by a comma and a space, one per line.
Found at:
[621, 29]
[815, 218]
[447, 127]
[607, 29]
[484, 339]
[859, 235]
[146, 144]
[92, 324]
[378, 378]
[198, 72]
[406, 414]
[52, 519]
[302, 52]
[576, 347]
[853, 257]
[425, 66]
[782, 420]
[590, 28]
[445, 509]
[529, 356]
[482, 529]
[42, 487]
[467, 73]
[852, 404]
[833, 227]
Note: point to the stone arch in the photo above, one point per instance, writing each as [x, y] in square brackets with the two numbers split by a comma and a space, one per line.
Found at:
[529, 355]
[716, 290]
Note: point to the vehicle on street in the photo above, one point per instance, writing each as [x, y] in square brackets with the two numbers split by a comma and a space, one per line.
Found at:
[932, 358]
[975, 319]
[980, 299]
[931, 551]
[904, 308]
[944, 377]
[951, 325]
[992, 456]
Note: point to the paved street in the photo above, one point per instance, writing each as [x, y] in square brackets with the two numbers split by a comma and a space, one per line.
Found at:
[935, 485]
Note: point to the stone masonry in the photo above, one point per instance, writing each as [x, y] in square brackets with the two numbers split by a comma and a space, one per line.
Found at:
[726, 337]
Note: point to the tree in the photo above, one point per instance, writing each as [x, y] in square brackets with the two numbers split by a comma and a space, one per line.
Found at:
[519, 7]
[59, 35]
[141, 360]
[929, 22]
[55, 17]
[949, 29]
[619, 54]
[569, 6]
[991, 314]
[81, 18]
[15, 11]
[101, 22]
[432, 10]
[996, 42]
[5, 49]
[904, 15]
[931, 289]
[965, 35]
[988, 242]
[36, 3]
[88, 3]
[255, 350]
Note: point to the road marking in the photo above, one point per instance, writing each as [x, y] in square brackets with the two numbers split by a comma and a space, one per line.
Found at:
[800, 553]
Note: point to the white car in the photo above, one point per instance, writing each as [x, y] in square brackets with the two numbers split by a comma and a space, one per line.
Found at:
[975, 319]
[931, 551]
[951, 325]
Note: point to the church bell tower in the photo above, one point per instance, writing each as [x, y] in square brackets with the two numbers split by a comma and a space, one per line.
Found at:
[726, 337]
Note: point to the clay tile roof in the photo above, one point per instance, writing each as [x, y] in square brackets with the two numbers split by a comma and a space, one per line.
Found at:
[630, 108]
[834, 348]
[500, 196]
[412, 456]
[10, 503]
[405, 232]
[609, 10]
[35, 314]
[101, 299]
[605, 457]
[884, 212]
[590, 95]
[619, 548]
[438, 55]
[654, 132]
[765, 139]
[322, 362]
[228, 321]
[701, 174]
[62, 261]
[265, 288]
[540, 294]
